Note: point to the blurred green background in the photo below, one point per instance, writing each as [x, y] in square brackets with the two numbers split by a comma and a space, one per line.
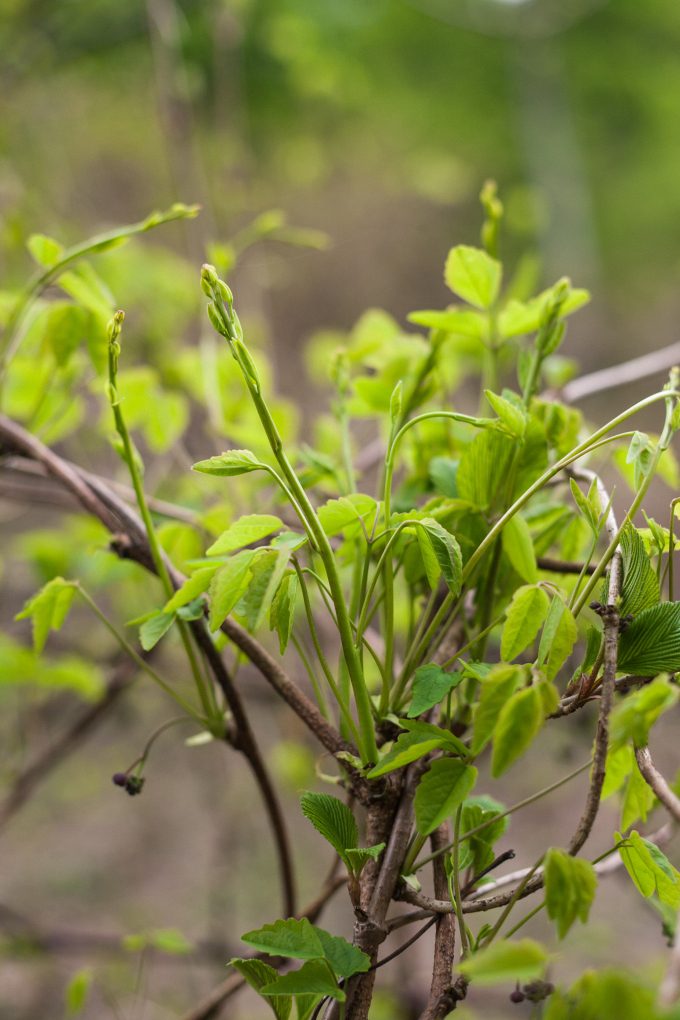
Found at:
[375, 122]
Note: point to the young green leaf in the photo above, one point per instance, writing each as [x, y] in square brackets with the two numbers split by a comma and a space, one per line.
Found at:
[154, 627]
[512, 416]
[228, 585]
[633, 718]
[505, 961]
[312, 978]
[407, 747]
[519, 721]
[358, 857]
[45, 250]
[266, 573]
[301, 940]
[191, 589]
[282, 610]
[446, 553]
[430, 685]
[649, 868]
[473, 275]
[524, 617]
[233, 462]
[48, 609]
[519, 548]
[442, 789]
[651, 644]
[570, 885]
[332, 819]
[558, 638]
[640, 588]
[78, 990]
[244, 531]
[258, 974]
[346, 512]
[497, 689]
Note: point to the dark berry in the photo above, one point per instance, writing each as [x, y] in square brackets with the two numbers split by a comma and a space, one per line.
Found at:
[120, 778]
[536, 991]
[516, 996]
[134, 785]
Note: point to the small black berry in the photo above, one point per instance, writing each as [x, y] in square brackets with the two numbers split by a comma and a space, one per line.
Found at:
[517, 995]
[120, 778]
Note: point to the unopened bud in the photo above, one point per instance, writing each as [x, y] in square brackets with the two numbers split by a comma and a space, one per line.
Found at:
[115, 325]
[216, 320]
[209, 279]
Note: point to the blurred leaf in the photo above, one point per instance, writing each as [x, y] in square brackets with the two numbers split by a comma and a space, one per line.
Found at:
[570, 886]
[78, 990]
[473, 275]
[505, 961]
[48, 609]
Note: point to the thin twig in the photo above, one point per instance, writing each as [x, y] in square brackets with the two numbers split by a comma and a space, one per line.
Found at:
[631, 371]
[657, 782]
[610, 615]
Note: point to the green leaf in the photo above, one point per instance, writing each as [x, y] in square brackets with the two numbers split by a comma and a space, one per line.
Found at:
[497, 689]
[570, 886]
[282, 610]
[633, 717]
[513, 417]
[519, 721]
[191, 589]
[154, 628]
[169, 940]
[267, 571]
[228, 585]
[524, 617]
[640, 455]
[313, 978]
[78, 990]
[304, 941]
[45, 250]
[358, 857]
[233, 462]
[558, 638]
[519, 548]
[244, 531]
[258, 974]
[473, 275]
[505, 961]
[346, 512]
[585, 505]
[344, 958]
[65, 329]
[651, 644]
[430, 685]
[649, 868]
[289, 938]
[638, 799]
[332, 819]
[457, 321]
[48, 609]
[640, 588]
[441, 790]
[407, 747]
[446, 552]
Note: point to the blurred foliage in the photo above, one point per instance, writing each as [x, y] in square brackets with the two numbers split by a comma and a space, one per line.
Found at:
[568, 104]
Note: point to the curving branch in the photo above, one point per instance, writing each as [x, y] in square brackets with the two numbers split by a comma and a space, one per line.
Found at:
[657, 782]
